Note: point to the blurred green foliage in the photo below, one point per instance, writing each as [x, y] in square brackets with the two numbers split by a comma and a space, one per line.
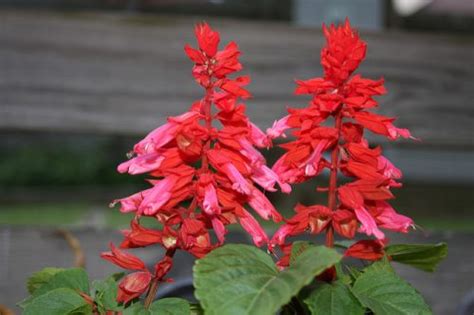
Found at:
[72, 160]
[49, 214]
[58, 164]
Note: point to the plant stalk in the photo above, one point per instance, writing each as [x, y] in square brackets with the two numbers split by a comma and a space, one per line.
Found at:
[332, 194]
[150, 297]
[206, 110]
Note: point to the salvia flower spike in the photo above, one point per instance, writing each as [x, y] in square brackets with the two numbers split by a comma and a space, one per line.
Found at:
[334, 122]
[201, 177]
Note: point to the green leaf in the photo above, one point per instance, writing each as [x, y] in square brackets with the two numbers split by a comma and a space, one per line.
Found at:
[385, 293]
[298, 248]
[241, 279]
[60, 301]
[167, 306]
[136, 309]
[354, 273]
[105, 294]
[333, 299]
[75, 278]
[39, 278]
[170, 306]
[422, 256]
[341, 275]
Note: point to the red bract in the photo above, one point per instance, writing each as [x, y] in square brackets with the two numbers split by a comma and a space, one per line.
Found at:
[201, 176]
[347, 101]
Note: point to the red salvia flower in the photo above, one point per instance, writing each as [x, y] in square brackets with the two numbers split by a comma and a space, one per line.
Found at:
[123, 259]
[348, 100]
[366, 249]
[201, 176]
[133, 285]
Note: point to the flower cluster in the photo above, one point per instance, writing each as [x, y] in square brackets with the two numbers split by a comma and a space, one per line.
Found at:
[346, 100]
[201, 176]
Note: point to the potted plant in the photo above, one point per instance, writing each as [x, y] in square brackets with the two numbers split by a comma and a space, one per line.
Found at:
[206, 172]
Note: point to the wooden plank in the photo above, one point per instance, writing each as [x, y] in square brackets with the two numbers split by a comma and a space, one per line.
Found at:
[122, 74]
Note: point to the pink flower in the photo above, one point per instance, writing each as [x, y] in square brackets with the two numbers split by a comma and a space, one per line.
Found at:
[259, 138]
[368, 226]
[278, 128]
[312, 164]
[210, 203]
[388, 169]
[266, 178]
[263, 206]
[157, 196]
[141, 164]
[288, 174]
[219, 229]
[389, 219]
[395, 133]
[163, 134]
[255, 157]
[249, 224]
[156, 139]
[240, 184]
[131, 203]
[283, 232]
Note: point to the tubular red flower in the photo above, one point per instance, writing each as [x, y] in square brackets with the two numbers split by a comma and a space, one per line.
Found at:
[366, 249]
[207, 38]
[163, 267]
[201, 176]
[142, 164]
[389, 219]
[123, 259]
[252, 227]
[210, 203]
[346, 99]
[139, 236]
[344, 223]
[263, 206]
[343, 53]
[157, 196]
[133, 285]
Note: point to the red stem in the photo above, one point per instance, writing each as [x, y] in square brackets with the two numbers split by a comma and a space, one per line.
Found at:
[332, 200]
[206, 110]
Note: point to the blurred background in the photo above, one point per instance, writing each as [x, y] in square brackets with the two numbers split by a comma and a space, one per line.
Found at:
[82, 80]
